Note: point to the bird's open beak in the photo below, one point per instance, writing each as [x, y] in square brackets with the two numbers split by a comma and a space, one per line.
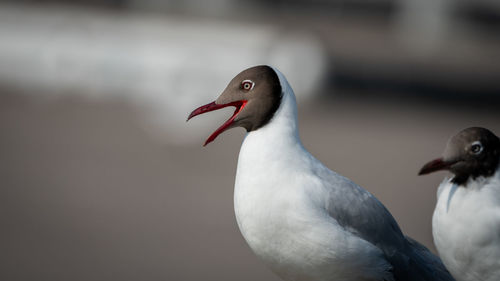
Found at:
[213, 106]
[436, 165]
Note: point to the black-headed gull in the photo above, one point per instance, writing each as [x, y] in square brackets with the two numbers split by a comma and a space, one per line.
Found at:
[466, 220]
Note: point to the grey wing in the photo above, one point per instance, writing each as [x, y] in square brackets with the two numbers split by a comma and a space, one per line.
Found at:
[359, 212]
[435, 268]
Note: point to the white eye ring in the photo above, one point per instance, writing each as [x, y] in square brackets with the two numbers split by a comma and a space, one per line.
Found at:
[476, 147]
[247, 85]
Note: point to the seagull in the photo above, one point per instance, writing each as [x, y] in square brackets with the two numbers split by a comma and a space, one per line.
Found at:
[466, 220]
[303, 220]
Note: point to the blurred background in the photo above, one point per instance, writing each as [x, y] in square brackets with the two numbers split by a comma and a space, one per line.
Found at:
[102, 179]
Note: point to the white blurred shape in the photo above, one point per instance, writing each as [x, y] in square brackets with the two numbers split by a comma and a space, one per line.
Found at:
[427, 22]
[168, 66]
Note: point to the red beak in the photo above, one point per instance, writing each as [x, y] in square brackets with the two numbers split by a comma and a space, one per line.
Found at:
[213, 106]
[436, 165]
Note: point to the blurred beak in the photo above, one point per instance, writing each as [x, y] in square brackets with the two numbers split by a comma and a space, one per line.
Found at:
[436, 165]
[213, 106]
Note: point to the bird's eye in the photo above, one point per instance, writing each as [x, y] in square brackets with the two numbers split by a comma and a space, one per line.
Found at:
[247, 85]
[476, 147]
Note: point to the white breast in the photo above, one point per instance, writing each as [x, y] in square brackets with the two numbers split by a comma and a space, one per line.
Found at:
[466, 228]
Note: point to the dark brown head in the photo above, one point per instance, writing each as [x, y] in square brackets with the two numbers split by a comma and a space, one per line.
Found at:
[256, 94]
[471, 153]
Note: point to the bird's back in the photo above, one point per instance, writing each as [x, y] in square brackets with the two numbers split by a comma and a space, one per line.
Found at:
[365, 216]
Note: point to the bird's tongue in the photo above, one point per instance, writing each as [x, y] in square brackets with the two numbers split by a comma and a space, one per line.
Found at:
[213, 106]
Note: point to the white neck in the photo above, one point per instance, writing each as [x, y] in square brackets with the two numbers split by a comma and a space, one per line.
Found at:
[280, 134]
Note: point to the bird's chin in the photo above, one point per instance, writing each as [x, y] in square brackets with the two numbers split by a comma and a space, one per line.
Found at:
[213, 106]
